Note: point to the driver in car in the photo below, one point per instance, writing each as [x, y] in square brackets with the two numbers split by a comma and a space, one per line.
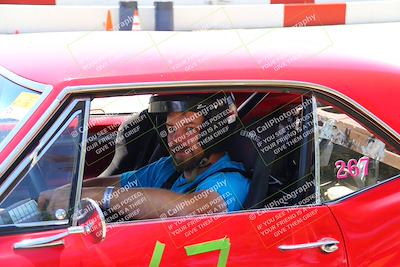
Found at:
[197, 178]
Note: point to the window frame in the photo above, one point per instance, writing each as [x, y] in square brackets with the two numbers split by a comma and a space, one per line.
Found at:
[45, 140]
[265, 90]
[316, 92]
[370, 125]
[117, 89]
[317, 166]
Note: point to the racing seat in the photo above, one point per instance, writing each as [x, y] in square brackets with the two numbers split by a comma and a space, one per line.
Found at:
[242, 148]
[275, 174]
[137, 144]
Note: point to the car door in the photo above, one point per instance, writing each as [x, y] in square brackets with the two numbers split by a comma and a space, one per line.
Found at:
[53, 159]
[275, 238]
[293, 229]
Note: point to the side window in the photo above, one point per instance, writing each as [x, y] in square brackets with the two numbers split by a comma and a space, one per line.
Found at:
[53, 163]
[284, 140]
[107, 114]
[351, 157]
[262, 145]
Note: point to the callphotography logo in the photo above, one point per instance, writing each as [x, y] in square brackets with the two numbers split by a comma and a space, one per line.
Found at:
[274, 225]
[216, 127]
[200, 106]
[202, 218]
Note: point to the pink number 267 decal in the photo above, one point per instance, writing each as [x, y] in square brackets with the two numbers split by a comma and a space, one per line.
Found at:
[353, 168]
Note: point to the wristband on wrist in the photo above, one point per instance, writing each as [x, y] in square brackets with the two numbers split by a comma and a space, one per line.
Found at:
[107, 197]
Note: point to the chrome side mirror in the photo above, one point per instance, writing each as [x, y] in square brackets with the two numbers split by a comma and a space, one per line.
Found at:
[91, 218]
[91, 223]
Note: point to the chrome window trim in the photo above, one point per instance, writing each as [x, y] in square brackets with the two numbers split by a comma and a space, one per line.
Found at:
[273, 83]
[43, 89]
[44, 144]
[150, 86]
[81, 167]
[15, 78]
[34, 224]
[317, 168]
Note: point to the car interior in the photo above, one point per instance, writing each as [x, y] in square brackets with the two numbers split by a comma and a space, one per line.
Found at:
[272, 173]
[274, 140]
[118, 142]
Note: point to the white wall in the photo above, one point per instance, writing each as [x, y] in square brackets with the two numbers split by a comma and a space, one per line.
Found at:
[27, 18]
[37, 18]
[358, 12]
[227, 17]
[191, 2]
[151, 2]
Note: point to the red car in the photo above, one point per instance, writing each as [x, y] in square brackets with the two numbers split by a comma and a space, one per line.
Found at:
[318, 137]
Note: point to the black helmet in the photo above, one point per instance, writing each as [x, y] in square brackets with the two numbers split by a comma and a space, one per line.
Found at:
[219, 112]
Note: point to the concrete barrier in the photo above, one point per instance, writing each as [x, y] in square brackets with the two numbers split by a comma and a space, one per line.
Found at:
[30, 18]
[227, 17]
[176, 2]
[39, 18]
[371, 12]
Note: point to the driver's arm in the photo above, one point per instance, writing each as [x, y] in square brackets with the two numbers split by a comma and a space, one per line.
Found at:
[103, 181]
[146, 203]
[59, 197]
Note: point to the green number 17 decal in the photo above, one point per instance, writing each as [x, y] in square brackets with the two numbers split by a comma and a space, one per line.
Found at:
[221, 244]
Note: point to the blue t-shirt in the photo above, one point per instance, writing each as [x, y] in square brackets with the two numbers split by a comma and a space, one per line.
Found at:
[231, 186]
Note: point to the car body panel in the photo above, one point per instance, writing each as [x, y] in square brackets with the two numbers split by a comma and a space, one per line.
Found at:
[68, 61]
[370, 225]
[250, 240]
[266, 56]
[70, 254]
[133, 58]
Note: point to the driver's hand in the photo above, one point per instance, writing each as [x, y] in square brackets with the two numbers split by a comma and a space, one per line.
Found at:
[52, 200]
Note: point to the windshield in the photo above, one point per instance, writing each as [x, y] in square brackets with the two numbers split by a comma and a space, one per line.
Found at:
[15, 102]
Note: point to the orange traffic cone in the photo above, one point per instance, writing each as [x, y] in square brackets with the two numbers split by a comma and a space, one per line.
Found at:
[109, 24]
[136, 21]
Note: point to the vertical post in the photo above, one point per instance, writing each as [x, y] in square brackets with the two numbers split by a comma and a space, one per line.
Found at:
[164, 12]
[126, 10]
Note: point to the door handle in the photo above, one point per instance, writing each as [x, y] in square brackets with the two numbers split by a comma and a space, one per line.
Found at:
[50, 241]
[327, 245]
